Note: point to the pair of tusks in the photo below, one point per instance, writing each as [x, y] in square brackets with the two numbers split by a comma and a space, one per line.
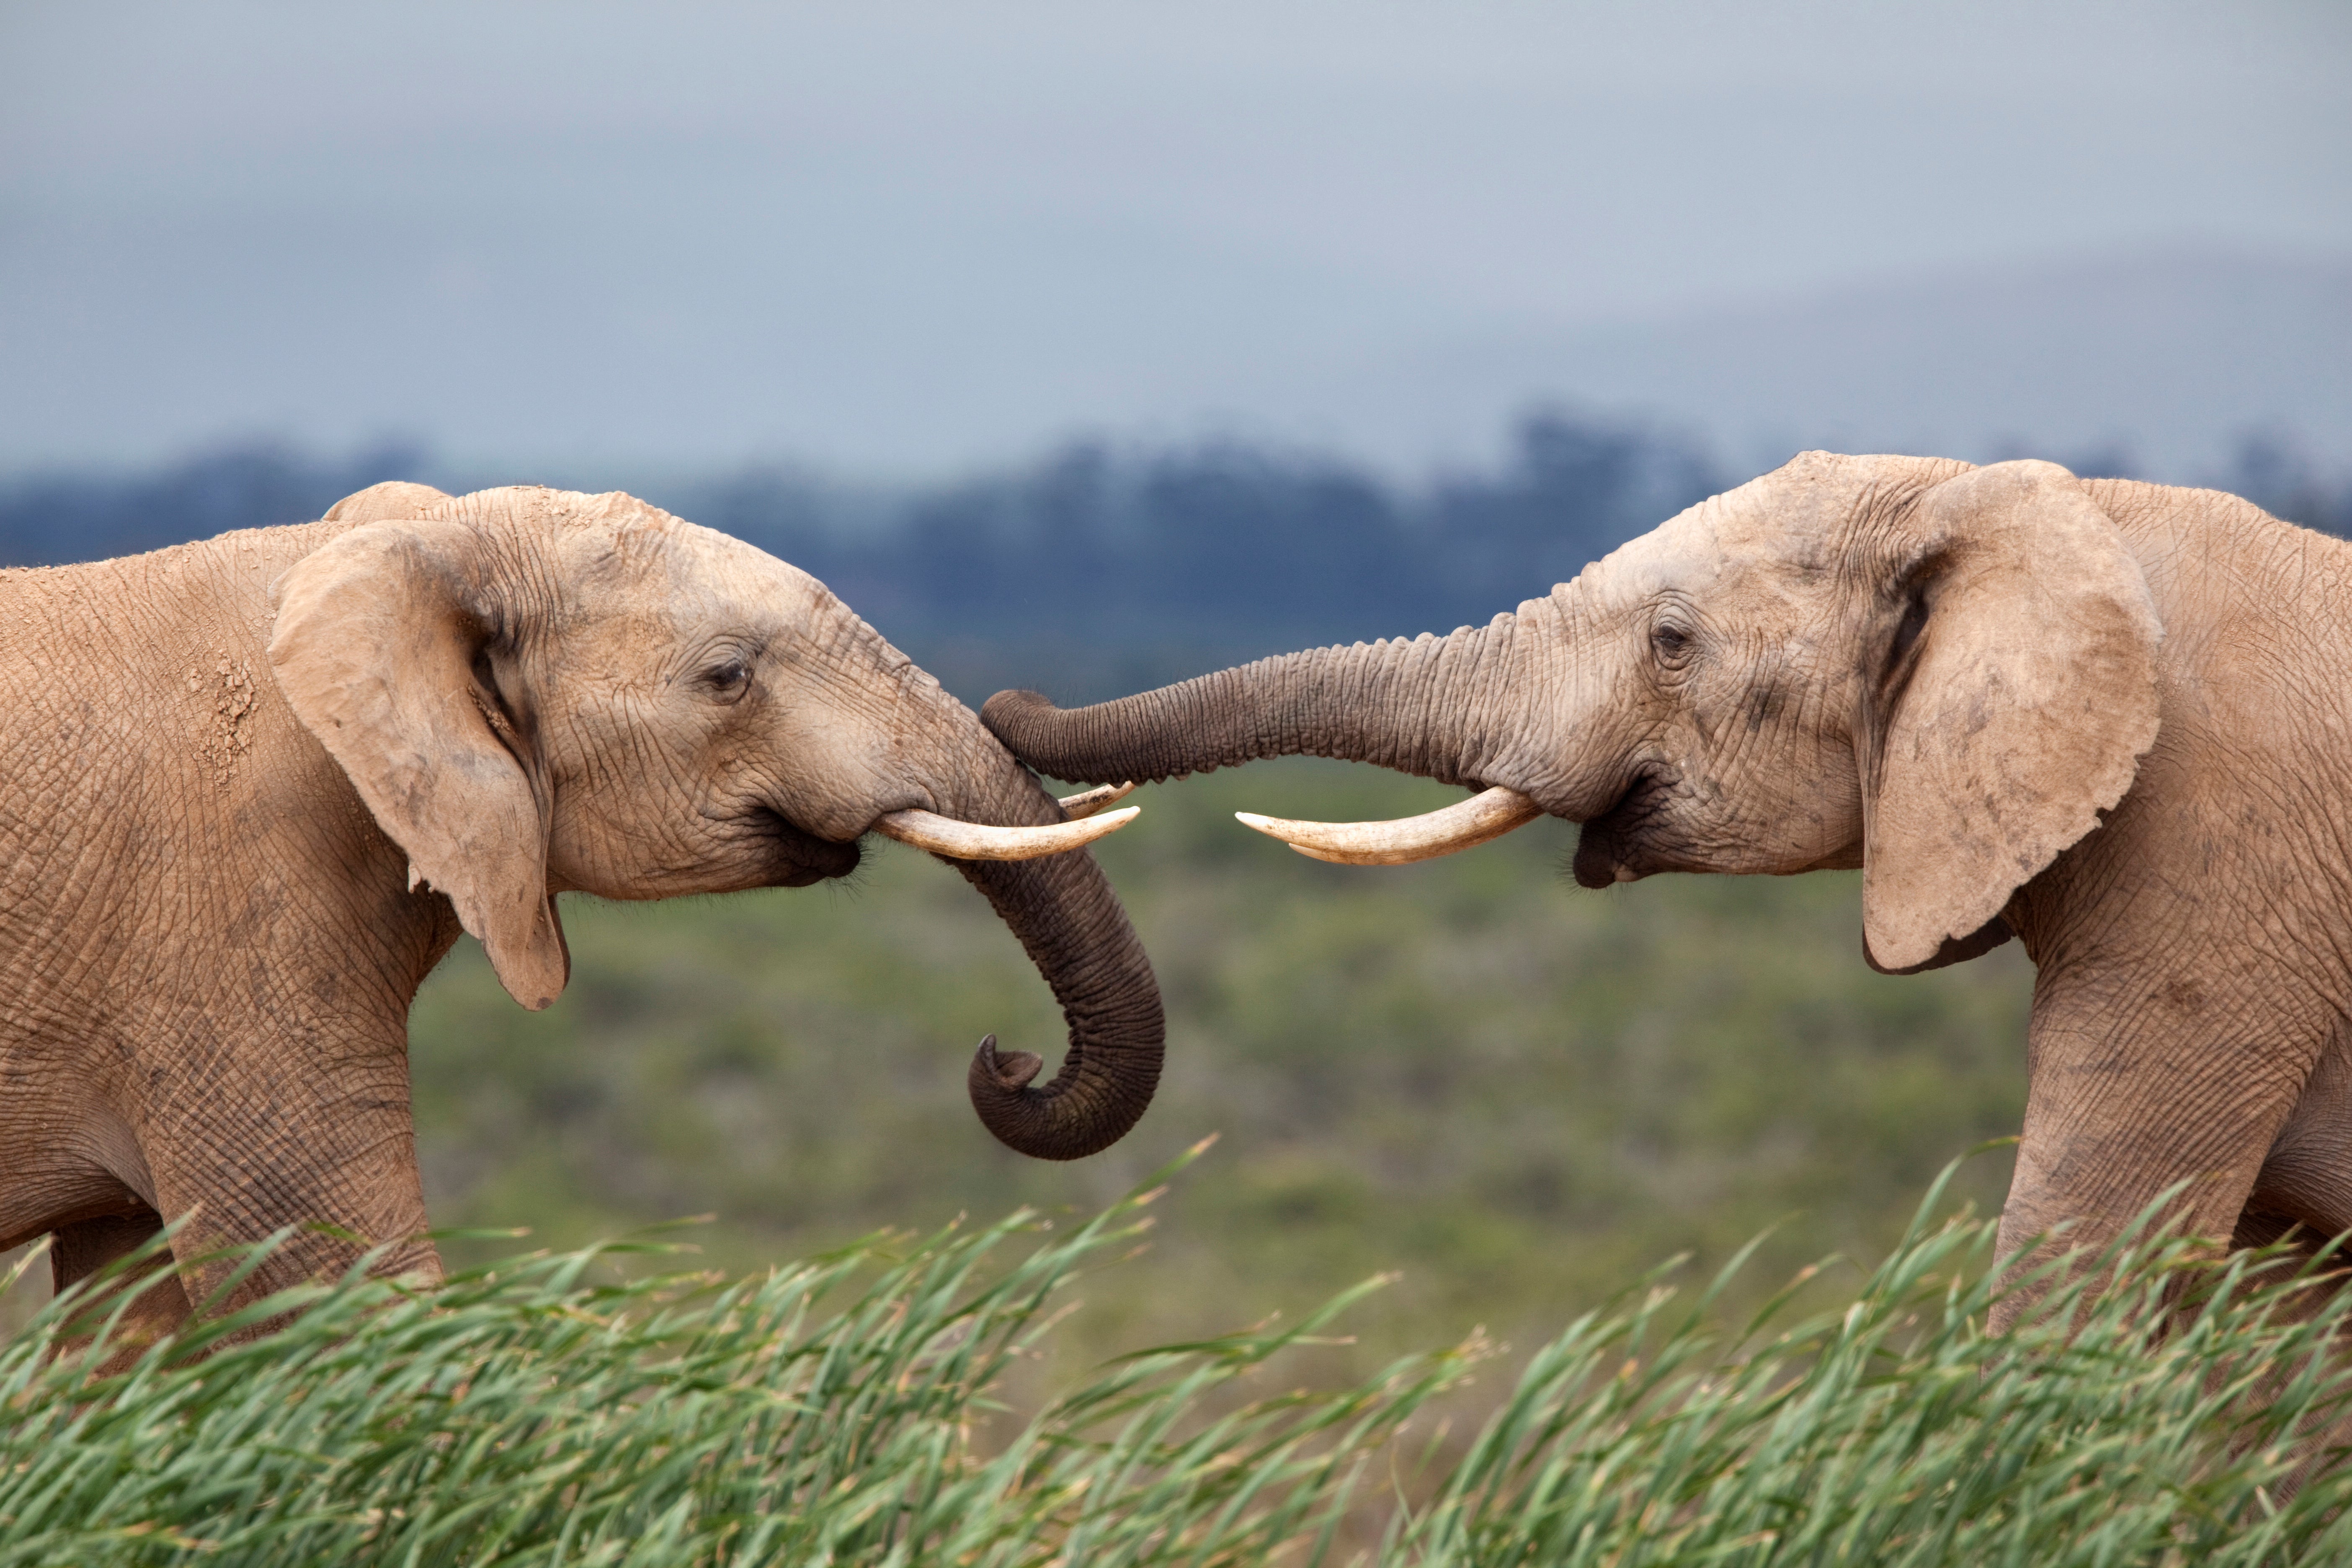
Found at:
[973, 841]
[1488, 814]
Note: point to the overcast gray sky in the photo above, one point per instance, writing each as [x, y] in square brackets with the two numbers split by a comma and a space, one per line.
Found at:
[899, 238]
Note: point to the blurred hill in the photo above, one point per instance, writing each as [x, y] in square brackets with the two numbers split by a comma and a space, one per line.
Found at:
[2172, 355]
[1097, 570]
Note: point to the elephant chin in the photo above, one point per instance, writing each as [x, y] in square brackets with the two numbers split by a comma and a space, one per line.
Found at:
[1597, 865]
[800, 859]
[1612, 847]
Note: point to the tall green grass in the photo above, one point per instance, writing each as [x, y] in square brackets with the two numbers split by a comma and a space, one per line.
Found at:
[845, 1410]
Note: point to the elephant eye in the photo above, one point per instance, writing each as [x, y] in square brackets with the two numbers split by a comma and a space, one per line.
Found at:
[1672, 643]
[728, 677]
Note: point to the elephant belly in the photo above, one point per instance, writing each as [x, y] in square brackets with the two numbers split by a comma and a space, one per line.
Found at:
[2307, 1177]
[37, 1200]
[62, 1159]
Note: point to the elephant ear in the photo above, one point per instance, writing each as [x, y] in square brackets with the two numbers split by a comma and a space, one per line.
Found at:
[378, 646]
[392, 498]
[2016, 695]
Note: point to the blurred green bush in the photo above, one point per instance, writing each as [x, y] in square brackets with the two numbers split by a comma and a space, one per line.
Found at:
[1519, 1093]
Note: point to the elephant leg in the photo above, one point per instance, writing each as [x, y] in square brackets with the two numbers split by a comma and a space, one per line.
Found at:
[326, 1156]
[2135, 1090]
[81, 1248]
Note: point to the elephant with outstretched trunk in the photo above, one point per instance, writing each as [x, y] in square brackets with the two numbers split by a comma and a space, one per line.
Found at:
[255, 786]
[2111, 720]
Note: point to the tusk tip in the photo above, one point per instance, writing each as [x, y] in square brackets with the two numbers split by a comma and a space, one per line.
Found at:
[1086, 802]
[1277, 828]
[1488, 815]
[974, 841]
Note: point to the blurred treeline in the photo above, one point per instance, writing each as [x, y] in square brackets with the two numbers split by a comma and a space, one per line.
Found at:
[1095, 570]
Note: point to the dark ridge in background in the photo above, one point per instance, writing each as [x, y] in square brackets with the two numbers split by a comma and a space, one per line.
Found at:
[1094, 572]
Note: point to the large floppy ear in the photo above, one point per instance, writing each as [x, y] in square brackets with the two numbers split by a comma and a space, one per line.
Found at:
[2015, 694]
[379, 647]
[392, 498]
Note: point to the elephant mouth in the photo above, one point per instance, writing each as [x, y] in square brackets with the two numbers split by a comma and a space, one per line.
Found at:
[799, 859]
[1617, 845]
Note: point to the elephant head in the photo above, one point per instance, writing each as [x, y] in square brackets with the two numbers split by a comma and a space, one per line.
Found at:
[1942, 675]
[536, 692]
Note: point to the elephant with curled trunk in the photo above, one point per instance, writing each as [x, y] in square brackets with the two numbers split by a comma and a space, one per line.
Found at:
[2111, 720]
[255, 786]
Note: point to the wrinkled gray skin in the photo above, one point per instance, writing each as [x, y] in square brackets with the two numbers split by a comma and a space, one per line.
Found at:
[254, 785]
[2112, 719]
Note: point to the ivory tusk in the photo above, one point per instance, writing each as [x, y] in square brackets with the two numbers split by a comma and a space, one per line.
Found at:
[972, 841]
[1488, 814]
[1086, 802]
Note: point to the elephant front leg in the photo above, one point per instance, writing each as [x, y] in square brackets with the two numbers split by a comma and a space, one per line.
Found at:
[2131, 1098]
[328, 1158]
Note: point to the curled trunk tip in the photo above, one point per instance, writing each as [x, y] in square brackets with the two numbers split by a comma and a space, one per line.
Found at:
[1052, 1122]
[1068, 919]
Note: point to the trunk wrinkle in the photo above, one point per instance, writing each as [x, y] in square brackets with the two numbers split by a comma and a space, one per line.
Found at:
[1437, 706]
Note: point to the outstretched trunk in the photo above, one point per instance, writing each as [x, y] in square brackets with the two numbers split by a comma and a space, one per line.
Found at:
[1444, 708]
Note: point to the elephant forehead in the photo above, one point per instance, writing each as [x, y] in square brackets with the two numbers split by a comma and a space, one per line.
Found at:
[725, 572]
[1711, 550]
[1782, 534]
[568, 516]
[1681, 554]
[645, 563]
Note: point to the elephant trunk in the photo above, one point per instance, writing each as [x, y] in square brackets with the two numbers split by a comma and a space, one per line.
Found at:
[1070, 924]
[1444, 708]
